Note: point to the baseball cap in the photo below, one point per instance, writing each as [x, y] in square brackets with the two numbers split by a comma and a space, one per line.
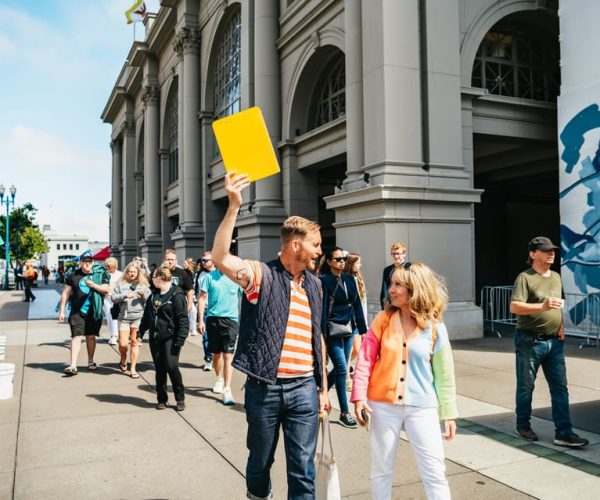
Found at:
[541, 243]
[87, 255]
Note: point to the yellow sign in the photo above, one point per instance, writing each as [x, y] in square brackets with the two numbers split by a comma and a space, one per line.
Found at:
[245, 145]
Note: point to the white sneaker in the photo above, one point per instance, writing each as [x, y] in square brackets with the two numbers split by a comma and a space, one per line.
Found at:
[208, 366]
[112, 341]
[228, 399]
[219, 385]
[193, 333]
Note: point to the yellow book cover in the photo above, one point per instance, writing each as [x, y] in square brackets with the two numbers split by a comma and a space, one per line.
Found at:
[245, 144]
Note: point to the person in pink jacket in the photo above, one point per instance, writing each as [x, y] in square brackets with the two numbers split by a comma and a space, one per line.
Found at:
[404, 376]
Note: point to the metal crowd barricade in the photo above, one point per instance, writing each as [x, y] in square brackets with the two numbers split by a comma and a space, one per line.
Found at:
[581, 313]
[582, 317]
[495, 302]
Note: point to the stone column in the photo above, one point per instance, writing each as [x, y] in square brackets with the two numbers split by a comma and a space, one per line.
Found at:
[116, 207]
[355, 150]
[129, 245]
[191, 239]
[151, 246]
[258, 230]
[414, 193]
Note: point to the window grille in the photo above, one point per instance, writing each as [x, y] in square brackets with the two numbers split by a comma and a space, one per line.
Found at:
[332, 100]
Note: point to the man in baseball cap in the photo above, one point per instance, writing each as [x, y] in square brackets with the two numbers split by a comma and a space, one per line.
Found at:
[537, 300]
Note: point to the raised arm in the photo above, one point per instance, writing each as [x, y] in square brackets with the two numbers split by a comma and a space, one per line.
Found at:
[231, 265]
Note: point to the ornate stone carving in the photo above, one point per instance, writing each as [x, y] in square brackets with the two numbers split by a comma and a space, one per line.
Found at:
[187, 41]
[115, 145]
[128, 127]
[151, 94]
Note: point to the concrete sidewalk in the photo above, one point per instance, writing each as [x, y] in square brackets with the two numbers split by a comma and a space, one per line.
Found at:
[97, 435]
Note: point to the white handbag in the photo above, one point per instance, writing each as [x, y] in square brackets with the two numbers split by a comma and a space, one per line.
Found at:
[327, 483]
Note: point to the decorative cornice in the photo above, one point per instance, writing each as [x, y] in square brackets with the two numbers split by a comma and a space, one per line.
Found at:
[151, 95]
[187, 41]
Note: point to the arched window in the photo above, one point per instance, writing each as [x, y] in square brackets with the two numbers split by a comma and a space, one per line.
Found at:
[172, 129]
[227, 91]
[516, 64]
[331, 103]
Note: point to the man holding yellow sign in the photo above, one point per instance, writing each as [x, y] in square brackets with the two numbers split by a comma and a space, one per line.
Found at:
[280, 348]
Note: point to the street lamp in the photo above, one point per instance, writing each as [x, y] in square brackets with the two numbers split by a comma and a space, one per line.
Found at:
[8, 201]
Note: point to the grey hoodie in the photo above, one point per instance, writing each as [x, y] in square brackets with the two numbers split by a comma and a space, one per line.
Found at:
[131, 309]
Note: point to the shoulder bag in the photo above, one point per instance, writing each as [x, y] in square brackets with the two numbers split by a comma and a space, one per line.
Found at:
[338, 329]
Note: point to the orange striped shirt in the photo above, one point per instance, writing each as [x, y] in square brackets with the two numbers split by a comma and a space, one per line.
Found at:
[297, 357]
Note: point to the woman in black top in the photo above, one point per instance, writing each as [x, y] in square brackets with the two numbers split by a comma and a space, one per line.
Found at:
[342, 310]
[166, 317]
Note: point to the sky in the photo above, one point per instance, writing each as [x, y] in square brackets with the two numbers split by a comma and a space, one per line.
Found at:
[59, 61]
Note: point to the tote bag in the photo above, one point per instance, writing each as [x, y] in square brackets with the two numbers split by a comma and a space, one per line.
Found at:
[327, 483]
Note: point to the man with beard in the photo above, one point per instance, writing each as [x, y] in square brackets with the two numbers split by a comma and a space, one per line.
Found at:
[179, 277]
[280, 348]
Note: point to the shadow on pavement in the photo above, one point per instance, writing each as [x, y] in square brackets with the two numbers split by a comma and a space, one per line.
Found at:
[122, 400]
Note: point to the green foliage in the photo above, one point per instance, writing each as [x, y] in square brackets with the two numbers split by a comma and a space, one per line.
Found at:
[26, 239]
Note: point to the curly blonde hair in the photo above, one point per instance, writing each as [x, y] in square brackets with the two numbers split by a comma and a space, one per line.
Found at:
[428, 296]
[141, 276]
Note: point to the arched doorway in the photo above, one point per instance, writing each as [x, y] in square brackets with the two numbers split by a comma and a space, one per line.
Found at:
[515, 155]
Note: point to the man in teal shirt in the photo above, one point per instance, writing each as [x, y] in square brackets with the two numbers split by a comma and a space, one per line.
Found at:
[220, 297]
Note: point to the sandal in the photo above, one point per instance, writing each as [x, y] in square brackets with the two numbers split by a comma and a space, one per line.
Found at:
[92, 366]
[70, 370]
[134, 375]
[123, 365]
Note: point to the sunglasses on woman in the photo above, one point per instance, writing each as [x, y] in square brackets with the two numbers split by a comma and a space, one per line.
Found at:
[339, 259]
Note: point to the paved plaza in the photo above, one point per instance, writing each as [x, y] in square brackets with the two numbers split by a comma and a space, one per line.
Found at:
[97, 435]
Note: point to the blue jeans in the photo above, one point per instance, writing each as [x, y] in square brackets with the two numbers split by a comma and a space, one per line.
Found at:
[207, 353]
[293, 405]
[550, 355]
[338, 350]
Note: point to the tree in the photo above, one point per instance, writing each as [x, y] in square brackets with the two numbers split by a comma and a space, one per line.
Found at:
[26, 240]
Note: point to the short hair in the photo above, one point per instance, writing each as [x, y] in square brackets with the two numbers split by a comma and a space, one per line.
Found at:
[428, 296]
[398, 246]
[297, 227]
[111, 261]
[169, 250]
[163, 272]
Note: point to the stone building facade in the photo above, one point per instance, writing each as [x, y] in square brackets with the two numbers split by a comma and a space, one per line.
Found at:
[428, 122]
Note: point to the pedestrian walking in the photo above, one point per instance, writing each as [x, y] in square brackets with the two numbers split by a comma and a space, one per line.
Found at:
[537, 300]
[29, 277]
[18, 272]
[165, 317]
[280, 348]
[85, 289]
[403, 374]
[179, 277]
[115, 275]
[204, 267]
[45, 274]
[189, 266]
[219, 297]
[342, 314]
[130, 293]
[353, 268]
[399, 255]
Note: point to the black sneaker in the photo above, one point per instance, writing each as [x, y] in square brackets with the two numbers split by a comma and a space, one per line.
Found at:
[161, 406]
[527, 434]
[347, 420]
[180, 406]
[572, 441]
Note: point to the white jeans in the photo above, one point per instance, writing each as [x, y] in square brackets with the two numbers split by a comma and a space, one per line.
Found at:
[423, 430]
[192, 319]
[112, 324]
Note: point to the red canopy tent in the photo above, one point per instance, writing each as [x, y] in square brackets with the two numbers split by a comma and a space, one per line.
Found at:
[102, 254]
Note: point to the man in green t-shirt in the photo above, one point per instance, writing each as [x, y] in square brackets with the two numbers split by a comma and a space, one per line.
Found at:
[537, 300]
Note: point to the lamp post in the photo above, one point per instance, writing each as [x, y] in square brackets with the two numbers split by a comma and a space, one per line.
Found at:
[8, 201]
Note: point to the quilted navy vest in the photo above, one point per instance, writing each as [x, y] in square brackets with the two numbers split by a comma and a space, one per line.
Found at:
[262, 326]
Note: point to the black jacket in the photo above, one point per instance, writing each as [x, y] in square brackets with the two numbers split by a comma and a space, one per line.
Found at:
[344, 302]
[166, 316]
[385, 284]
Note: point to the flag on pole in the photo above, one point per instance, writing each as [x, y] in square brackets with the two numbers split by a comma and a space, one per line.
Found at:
[136, 13]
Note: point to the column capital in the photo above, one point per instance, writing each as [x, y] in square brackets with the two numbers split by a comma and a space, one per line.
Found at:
[128, 127]
[151, 95]
[163, 153]
[115, 145]
[187, 41]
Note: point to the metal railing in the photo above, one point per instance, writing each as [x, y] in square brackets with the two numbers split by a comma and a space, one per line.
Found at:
[581, 313]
